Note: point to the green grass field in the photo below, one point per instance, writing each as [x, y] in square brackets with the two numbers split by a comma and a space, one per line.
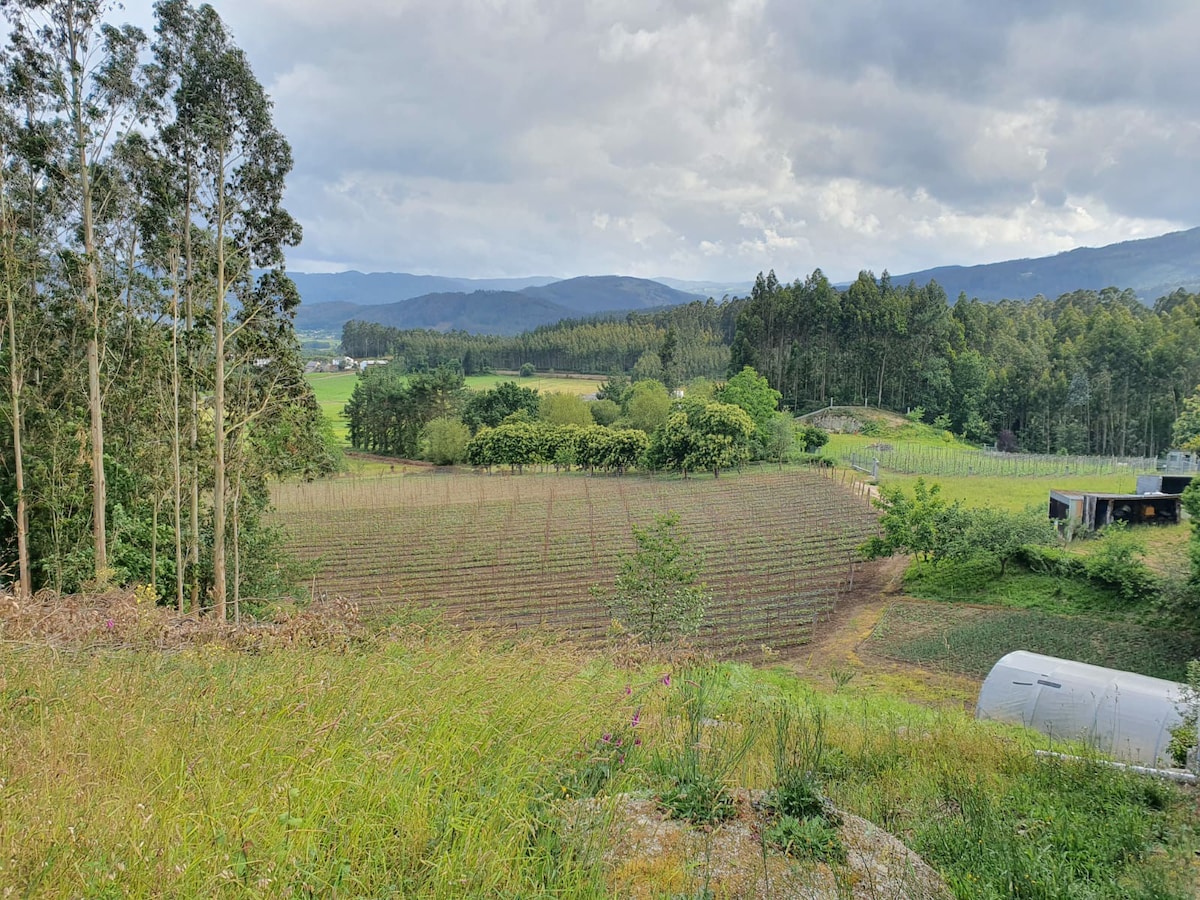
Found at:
[333, 390]
[1005, 492]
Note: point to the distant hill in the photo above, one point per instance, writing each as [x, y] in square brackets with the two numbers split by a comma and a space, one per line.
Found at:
[494, 311]
[589, 295]
[1151, 267]
[373, 288]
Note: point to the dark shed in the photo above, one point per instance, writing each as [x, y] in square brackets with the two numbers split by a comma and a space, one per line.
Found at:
[1093, 510]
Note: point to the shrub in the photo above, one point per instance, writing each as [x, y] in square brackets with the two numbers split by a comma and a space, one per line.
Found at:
[444, 441]
[812, 838]
[812, 438]
[528, 370]
[658, 594]
[694, 770]
[605, 412]
[1117, 563]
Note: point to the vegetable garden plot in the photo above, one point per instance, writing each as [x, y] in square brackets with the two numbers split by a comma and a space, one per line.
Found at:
[969, 639]
[779, 546]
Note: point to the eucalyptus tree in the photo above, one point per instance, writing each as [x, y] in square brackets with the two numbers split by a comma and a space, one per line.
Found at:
[90, 74]
[241, 161]
[11, 283]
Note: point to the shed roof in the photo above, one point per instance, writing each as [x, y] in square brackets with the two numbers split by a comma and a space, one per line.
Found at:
[1079, 495]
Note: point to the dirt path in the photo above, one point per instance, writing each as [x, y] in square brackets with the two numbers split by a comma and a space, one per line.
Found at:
[841, 649]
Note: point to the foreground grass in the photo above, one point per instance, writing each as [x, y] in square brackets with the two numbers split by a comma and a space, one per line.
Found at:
[446, 767]
[394, 772]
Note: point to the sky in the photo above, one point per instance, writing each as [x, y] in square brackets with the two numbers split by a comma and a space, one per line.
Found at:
[713, 139]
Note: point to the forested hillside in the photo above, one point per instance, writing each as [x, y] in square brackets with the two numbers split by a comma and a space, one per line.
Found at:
[151, 379]
[701, 336]
[1088, 372]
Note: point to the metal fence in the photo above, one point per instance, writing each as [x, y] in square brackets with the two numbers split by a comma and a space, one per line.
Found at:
[922, 459]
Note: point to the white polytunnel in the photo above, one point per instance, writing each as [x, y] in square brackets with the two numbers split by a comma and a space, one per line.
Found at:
[1121, 714]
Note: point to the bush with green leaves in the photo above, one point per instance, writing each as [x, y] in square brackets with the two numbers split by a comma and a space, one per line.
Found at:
[803, 822]
[810, 838]
[1191, 503]
[658, 595]
[916, 524]
[604, 412]
[1117, 562]
[1184, 735]
[444, 441]
[926, 526]
[528, 370]
[812, 438]
[561, 408]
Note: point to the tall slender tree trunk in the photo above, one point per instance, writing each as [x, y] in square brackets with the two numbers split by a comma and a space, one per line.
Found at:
[15, 378]
[237, 555]
[193, 398]
[91, 304]
[176, 437]
[218, 550]
[24, 583]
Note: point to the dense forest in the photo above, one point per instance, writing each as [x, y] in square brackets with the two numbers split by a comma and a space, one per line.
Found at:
[151, 377]
[1089, 372]
[600, 344]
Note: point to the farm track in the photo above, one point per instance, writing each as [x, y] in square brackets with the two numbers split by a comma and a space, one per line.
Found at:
[525, 551]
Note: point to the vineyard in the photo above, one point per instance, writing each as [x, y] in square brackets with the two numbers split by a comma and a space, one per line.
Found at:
[521, 551]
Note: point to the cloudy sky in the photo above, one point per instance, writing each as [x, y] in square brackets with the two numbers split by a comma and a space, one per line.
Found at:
[711, 139]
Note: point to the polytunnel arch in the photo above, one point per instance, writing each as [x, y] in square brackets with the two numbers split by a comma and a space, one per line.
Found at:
[1121, 714]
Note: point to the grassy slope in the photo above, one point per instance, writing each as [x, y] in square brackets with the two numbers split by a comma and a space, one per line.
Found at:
[443, 766]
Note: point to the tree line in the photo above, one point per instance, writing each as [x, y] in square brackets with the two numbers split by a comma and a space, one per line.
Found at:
[151, 375]
[695, 338]
[713, 427]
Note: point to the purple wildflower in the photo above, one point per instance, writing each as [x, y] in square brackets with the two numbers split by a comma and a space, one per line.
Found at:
[607, 738]
[666, 679]
[628, 689]
[637, 717]
[109, 624]
[637, 742]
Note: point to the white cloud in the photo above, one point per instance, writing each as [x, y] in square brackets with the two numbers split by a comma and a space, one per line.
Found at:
[710, 138]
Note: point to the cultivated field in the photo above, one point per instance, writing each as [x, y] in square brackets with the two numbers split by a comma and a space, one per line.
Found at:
[969, 639]
[518, 551]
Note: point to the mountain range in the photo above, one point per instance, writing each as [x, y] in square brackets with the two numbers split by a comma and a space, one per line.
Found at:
[1151, 267]
[481, 310]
